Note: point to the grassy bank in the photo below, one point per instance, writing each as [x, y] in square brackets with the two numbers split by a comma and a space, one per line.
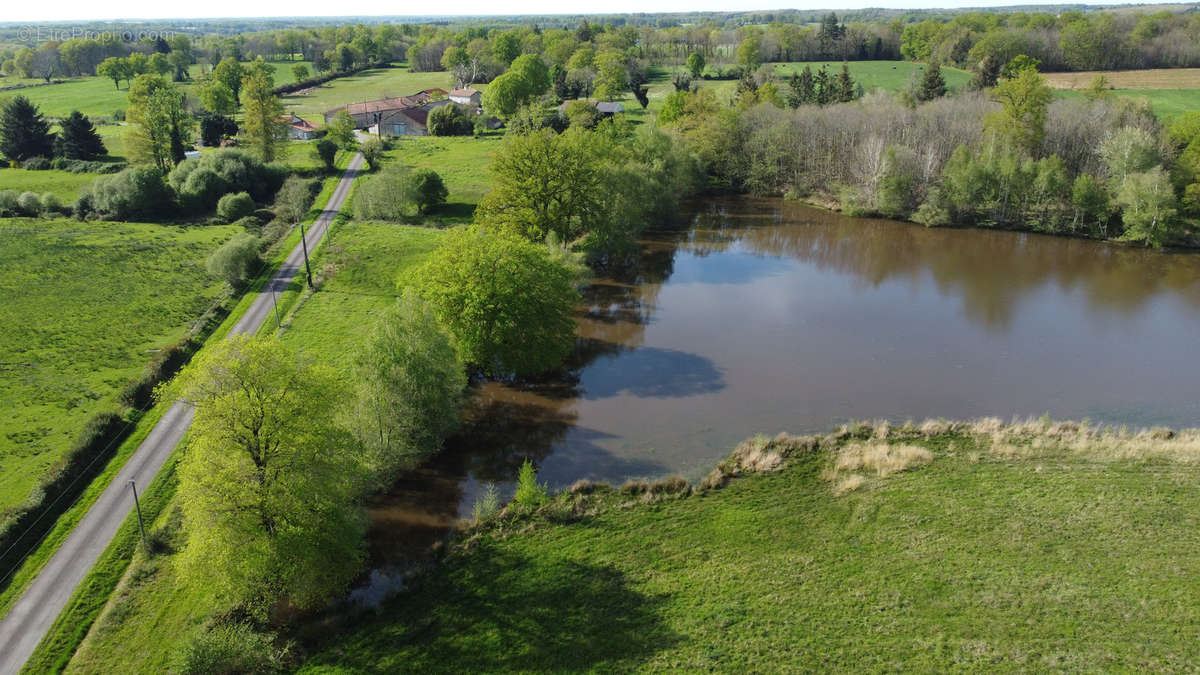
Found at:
[1036, 546]
[948, 547]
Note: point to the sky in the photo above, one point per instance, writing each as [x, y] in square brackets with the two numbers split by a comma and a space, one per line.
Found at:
[79, 10]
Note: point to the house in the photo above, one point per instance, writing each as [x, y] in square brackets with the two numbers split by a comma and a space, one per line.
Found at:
[603, 108]
[469, 96]
[398, 116]
[300, 129]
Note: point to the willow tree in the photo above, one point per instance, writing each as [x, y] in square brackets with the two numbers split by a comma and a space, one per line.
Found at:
[269, 485]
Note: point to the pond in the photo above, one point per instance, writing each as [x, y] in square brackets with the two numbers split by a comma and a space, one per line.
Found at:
[769, 316]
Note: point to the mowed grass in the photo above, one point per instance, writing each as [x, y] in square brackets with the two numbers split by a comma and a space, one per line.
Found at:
[463, 162]
[1153, 78]
[369, 85]
[975, 562]
[65, 185]
[362, 262]
[890, 76]
[84, 306]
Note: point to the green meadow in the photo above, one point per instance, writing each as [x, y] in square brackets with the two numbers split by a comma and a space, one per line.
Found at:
[65, 185]
[85, 306]
[369, 85]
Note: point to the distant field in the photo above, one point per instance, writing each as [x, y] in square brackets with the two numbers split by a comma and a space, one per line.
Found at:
[67, 186]
[1166, 103]
[83, 306]
[1157, 78]
[368, 85]
[890, 76]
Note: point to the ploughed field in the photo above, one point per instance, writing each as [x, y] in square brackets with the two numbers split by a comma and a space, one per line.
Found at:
[84, 307]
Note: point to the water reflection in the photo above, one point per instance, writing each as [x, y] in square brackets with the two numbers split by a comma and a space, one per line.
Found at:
[768, 316]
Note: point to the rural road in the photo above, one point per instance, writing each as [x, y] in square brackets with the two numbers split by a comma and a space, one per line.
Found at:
[31, 617]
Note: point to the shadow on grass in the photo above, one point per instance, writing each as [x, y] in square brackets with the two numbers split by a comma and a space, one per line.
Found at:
[501, 611]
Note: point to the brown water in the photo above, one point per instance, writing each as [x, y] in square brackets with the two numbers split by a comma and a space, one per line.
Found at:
[767, 316]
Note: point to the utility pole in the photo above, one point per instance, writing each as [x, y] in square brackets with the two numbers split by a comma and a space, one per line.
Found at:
[275, 302]
[141, 525]
[307, 269]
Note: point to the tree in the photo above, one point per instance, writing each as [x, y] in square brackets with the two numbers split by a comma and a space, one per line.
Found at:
[1148, 207]
[695, 63]
[409, 387]
[749, 53]
[450, 120]
[116, 69]
[217, 98]
[612, 76]
[235, 259]
[46, 61]
[78, 138]
[506, 301]
[505, 95]
[262, 116]
[672, 107]
[534, 70]
[933, 85]
[234, 206]
[427, 190]
[326, 151]
[293, 200]
[372, 152]
[163, 127]
[216, 128]
[845, 85]
[341, 130]
[987, 72]
[24, 133]
[300, 72]
[506, 46]
[269, 486]
[230, 73]
[1024, 99]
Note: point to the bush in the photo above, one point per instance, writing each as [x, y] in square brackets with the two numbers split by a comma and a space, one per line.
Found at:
[385, 196]
[450, 120]
[139, 393]
[427, 189]
[86, 166]
[8, 203]
[241, 171]
[51, 203]
[36, 164]
[231, 648]
[530, 493]
[29, 204]
[235, 259]
[134, 193]
[234, 206]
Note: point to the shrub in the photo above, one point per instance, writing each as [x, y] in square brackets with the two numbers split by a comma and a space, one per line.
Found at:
[487, 504]
[231, 648]
[530, 493]
[450, 120]
[235, 258]
[385, 196]
[36, 164]
[139, 393]
[133, 193]
[29, 204]
[241, 171]
[234, 206]
[8, 203]
[51, 203]
[427, 190]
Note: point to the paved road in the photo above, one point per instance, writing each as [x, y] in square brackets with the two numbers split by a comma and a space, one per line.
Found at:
[28, 620]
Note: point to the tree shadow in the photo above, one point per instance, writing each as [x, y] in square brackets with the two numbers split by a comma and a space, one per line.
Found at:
[498, 610]
[651, 372]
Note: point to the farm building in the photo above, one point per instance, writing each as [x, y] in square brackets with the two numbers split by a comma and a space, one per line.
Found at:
[400, 116]
[300, 129]
[469, 96]
[605, 108]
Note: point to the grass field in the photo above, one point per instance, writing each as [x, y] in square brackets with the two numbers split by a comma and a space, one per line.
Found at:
[955, 547]
[891, 76]
[994, 557]
[66, 185]
[362, 261]
[369, 85]
[84, 305]
[1156, 78]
